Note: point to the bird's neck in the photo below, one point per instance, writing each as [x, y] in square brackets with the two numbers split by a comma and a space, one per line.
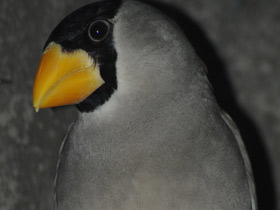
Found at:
[148, 102]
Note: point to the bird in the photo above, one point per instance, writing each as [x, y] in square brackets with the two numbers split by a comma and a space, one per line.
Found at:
[149, 133]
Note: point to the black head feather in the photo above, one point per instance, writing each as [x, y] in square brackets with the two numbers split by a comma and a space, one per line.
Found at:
[72, 34]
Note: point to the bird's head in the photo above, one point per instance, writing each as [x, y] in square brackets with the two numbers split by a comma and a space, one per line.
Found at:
[108, 46]
[78, 62]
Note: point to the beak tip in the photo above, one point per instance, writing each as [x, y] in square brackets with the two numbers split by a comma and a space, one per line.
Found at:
[36, 108]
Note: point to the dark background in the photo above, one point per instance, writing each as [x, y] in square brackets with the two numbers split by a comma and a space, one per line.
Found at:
[238, 40]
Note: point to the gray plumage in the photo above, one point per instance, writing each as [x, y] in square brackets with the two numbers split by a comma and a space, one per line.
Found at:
[160, 142]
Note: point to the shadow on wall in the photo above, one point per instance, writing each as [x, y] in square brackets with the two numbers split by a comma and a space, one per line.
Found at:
[223, 91]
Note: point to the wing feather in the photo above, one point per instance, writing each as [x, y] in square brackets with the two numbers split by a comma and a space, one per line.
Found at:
[232, 126]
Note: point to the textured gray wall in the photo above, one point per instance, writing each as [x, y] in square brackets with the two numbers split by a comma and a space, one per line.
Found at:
[239, 41]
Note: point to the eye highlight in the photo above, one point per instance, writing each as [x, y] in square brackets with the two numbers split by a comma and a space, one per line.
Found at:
[98, 30]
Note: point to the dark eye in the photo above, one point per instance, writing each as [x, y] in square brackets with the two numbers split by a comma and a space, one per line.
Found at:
[98, 30]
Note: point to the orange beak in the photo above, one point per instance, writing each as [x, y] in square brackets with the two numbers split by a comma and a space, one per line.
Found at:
[64, 78]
